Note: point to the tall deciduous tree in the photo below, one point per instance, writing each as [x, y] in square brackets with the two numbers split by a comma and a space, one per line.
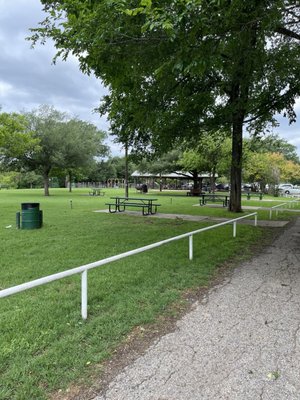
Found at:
[81, 143]
[180, 67]
[45, 124]
[64, 143]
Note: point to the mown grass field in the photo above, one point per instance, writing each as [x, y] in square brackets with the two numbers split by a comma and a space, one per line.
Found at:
[45, 345]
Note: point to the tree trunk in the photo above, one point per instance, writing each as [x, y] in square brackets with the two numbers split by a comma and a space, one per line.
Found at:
[195, 179]
[235, 203]
[46, 184]
[70, 181]
[239, 97]
[160, 183]
[212, 180]
[126, 171]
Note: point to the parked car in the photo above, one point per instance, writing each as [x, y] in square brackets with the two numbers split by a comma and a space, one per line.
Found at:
[246, 186]
[294, 190]
[288, 188]
[222, 186]
[284, 186]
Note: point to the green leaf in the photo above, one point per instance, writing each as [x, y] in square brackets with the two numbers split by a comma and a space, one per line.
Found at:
[146, 3]
[134, 11]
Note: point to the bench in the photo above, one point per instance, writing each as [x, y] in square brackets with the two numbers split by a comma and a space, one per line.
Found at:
[215, 198]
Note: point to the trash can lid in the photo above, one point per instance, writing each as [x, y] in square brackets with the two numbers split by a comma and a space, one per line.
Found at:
[26, 206]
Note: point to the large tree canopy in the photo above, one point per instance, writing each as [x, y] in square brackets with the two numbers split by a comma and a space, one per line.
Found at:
[65, 144]
[180, 67]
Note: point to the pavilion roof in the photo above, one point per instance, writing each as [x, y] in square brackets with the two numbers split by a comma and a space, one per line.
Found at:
[169, 175]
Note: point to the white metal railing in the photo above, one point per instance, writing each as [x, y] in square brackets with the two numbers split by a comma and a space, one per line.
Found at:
[272, 208]
[84, 268]
[290, 204]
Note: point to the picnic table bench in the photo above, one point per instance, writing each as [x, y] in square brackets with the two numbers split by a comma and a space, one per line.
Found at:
[214, 198]
[120, 204]
[256, 194]
[96, 192]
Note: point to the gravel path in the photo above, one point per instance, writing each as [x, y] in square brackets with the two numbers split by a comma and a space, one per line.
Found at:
[242, 341]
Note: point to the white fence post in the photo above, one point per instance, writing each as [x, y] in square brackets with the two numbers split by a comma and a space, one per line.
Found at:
[84, 294]
[191, 247]
[255, 220]
[234, 229]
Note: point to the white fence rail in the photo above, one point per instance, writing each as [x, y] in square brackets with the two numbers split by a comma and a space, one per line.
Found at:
[290, 204]
[84, 268]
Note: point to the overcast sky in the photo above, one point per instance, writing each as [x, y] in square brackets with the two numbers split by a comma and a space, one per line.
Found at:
[28, 78]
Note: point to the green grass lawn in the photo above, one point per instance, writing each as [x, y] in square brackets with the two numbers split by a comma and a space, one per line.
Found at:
[45, 345]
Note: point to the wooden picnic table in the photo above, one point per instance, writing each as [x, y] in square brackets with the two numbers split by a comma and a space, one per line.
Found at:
[214, 198]
[147, 204]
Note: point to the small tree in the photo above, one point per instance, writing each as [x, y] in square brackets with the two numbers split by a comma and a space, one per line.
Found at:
[194, 163]
[209, 155]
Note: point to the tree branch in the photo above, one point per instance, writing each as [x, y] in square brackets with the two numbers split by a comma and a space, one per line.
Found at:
[287, 32]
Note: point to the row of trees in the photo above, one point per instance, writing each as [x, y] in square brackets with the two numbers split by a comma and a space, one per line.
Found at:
[266, 161]
[104, 171]
[48, 142]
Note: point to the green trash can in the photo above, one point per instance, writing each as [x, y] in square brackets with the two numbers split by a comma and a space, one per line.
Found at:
[31, 216]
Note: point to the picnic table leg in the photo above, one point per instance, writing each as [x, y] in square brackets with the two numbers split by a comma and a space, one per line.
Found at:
[147, 208]
[110, 210]
[152, 209]
[120, 207]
